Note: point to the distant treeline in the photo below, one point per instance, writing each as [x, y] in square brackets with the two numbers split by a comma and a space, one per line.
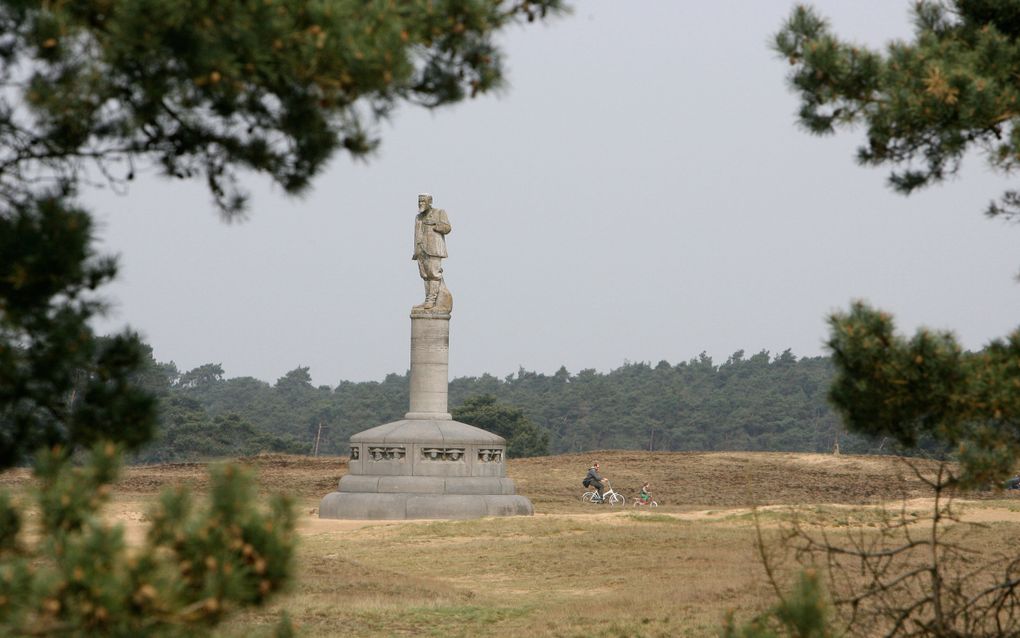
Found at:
[761, 402]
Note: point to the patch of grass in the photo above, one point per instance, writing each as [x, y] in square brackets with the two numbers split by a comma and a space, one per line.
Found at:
[1008, 504]
[537, 576]
[823, 516]
[656, 518]
[437, 620]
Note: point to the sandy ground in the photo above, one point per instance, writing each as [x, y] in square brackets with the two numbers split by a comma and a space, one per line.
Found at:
[688, 486]
[131, 515]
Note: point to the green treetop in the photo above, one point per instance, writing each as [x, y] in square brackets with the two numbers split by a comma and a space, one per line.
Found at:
[204, 88]
[523, 438]
[923, 103]
[927, 387]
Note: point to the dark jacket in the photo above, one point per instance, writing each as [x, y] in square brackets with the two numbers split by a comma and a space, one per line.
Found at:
[594, 475]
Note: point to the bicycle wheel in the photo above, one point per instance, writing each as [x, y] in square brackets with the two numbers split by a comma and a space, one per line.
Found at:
[617, 499]
[587, 496]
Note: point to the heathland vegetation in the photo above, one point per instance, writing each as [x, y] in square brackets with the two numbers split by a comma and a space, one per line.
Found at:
[573, 569]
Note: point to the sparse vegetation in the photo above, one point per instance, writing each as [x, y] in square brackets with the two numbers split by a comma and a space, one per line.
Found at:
[569, 570]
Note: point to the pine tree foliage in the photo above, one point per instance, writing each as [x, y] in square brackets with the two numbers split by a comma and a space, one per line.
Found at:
[523, 438]
[758, 402]
[928, 387]
[198, 563]
[801, 613]
[924, 103]
[58, 384]
[94, 88]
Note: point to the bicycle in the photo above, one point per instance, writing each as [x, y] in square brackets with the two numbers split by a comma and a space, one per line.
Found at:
[609, 496]
[638, 502]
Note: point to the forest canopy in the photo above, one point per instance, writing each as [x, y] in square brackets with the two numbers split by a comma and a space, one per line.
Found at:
[758, 402]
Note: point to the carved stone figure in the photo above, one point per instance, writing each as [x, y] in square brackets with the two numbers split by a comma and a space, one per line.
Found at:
[442, 454]
[493, 455]
[430, 229]
[387, 453]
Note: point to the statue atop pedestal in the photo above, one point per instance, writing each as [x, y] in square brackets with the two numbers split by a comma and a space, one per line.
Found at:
[430, 229]
[427, 465]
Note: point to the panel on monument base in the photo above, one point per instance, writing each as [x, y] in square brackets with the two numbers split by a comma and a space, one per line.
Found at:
[515, 505]
[481, 485]
[488, 461]
[375, 507]
[412, 484]
[355, 483]
[356, 459]
[442, 459]
[389, 459]
[446, 506]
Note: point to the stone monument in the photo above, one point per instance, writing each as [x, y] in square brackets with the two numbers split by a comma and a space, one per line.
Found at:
[427, 465]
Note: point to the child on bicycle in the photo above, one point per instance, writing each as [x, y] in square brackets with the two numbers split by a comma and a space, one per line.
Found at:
[643, 498]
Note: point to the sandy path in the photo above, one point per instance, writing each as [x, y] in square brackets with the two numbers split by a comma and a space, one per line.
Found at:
[131, 516]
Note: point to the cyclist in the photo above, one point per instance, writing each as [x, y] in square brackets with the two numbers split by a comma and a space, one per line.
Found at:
[594, 479]
[644, 498]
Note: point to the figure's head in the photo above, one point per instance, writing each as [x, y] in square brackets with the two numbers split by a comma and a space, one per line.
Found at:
[424, 202]
[595, 465]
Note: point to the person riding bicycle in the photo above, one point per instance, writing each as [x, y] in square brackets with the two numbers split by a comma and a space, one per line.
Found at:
[594, 479]
[644, 498]
[1013, 483]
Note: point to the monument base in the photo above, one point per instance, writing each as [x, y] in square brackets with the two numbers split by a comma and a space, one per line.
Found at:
[425, 468]
[401, 506]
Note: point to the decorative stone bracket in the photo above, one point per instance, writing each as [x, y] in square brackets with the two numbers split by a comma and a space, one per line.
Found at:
[490, 455]
[387, 453]
[442, 453]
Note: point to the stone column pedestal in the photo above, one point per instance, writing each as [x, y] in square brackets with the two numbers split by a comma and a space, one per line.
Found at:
[430, 362]
[425, 469]
[427, 465]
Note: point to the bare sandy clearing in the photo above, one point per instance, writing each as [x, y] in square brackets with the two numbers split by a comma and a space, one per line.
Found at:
[572, 569]
[689, 486]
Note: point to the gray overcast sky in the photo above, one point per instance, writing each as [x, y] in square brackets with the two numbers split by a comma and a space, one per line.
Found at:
[640, 192]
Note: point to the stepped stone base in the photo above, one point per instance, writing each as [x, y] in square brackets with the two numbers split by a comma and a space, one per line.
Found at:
[425, 468]
[404, 505]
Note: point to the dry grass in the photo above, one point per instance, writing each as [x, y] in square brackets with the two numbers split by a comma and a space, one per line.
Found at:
[571, 570]
[598, 575]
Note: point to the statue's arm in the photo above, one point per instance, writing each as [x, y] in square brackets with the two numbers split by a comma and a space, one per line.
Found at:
[442, 223]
